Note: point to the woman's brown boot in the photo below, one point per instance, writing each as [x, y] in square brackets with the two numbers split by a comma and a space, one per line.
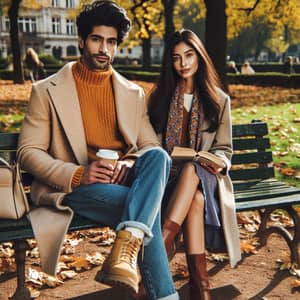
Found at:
[199, 284]
[142, 294]
[169, 231]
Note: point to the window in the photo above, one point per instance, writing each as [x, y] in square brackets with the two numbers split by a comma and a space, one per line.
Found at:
[71, 51]
[70, 4]
[27, 24]
[55, 3]
[56, 25]
[7, 24]
[70, 27]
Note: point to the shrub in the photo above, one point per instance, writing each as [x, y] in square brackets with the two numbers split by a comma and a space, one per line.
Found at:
[48, 59]
[266, 79]
[4, 62]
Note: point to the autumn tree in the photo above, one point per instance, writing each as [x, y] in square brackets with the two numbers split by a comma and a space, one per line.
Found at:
[13, 12]
[281, 19]
[147, 21]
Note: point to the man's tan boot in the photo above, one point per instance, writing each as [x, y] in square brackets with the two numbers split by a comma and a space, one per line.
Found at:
[120, 267]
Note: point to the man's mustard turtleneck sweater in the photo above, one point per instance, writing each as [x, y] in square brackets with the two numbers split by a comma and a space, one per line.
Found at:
[96, 98]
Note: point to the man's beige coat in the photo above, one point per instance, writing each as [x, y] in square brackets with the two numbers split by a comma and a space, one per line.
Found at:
[52, 145]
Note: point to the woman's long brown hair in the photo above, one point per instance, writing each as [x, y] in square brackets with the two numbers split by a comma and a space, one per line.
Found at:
[206, 84]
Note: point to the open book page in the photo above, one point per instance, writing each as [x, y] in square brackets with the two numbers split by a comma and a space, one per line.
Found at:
[184, 153]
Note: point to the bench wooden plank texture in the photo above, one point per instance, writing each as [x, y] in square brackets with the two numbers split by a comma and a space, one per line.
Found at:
[255, 187]
[254, 184]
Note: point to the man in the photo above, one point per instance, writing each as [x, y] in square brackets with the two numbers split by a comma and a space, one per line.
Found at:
[87, 105]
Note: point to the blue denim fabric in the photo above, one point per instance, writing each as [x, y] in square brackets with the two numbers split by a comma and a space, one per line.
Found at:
[137, 206]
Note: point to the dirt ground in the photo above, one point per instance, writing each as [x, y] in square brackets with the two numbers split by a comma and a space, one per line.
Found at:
[256, 277]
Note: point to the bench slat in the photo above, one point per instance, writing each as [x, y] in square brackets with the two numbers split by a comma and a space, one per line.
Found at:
[254, 129]
[11, 230]
[249, 174]
[257, 184]
[8, 141]
[255, 195]
[251, 143]
[247, 158]
[277, 202]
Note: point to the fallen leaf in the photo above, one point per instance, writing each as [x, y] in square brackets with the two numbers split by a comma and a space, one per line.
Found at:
[249, 246]
[219, 257]
[67, 274]
[96, 259]
[295, 283]
[287, 171]
[79, 264]
[51, 281]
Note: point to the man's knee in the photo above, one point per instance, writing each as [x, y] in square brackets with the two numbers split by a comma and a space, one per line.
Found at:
[158, 155]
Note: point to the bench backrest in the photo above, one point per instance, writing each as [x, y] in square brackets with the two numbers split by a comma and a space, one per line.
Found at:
[252, 159]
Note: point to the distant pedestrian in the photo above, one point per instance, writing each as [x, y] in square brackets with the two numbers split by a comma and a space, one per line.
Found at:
[231, 67]
[289, 65]
[33, 64]
[247, 69]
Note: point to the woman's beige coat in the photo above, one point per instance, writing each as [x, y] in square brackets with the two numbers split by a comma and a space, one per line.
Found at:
[52, 145]
[220, 143]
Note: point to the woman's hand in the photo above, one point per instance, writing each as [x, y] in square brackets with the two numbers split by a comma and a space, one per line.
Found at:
[121, 171]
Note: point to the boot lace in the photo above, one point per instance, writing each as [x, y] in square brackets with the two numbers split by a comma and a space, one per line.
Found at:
[129, 251]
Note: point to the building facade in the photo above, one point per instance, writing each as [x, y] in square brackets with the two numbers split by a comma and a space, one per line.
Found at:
[50, 29]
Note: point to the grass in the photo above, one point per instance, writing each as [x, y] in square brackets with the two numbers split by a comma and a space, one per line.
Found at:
[284, 128]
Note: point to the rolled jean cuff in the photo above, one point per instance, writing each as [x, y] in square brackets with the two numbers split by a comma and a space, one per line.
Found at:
[174, 296]
[148, 233]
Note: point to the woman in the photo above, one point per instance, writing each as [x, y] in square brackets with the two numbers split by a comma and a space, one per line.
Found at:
[34, 65]
[188, 109]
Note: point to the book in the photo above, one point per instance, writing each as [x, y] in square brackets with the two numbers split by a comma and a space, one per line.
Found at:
[184, 153]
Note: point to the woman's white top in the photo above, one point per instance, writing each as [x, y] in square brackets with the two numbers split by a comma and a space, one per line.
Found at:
[188, 100]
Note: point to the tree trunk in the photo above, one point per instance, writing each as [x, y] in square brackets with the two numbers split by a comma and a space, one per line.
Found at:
[146, 46]
[169, 25]
[216, 36]
[13, 12]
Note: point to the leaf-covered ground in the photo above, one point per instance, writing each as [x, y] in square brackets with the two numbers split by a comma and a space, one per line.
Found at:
[83, 254]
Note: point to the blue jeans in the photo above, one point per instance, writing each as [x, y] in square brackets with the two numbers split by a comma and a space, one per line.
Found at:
[138, 205]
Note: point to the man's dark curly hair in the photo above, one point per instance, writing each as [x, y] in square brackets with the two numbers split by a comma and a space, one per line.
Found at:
[103, 12]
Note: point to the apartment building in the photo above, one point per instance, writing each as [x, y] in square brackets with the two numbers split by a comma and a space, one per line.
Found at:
[50, 29]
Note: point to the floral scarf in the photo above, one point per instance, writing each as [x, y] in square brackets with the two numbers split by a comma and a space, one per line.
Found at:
[174, 125]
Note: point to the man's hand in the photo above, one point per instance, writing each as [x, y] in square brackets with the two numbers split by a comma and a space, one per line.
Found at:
[98, 172]
[121, 171]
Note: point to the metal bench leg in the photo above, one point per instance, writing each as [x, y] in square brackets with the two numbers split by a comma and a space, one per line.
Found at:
[21, 293]
[291, 240]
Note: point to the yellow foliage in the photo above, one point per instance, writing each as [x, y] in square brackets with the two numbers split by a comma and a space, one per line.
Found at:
[278, 14]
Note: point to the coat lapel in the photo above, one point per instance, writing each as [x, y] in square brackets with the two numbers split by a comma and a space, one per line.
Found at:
[127, 108]
[64, 98]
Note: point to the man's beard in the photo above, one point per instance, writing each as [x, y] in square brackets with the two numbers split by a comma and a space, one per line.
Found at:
[104, 65]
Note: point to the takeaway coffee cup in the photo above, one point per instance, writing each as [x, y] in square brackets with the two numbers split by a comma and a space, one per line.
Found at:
[110, 156]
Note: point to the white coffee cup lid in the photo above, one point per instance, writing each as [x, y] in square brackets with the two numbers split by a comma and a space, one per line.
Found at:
[106, 153]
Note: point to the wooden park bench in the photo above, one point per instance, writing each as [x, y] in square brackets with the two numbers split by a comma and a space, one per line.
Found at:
[254, 184]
